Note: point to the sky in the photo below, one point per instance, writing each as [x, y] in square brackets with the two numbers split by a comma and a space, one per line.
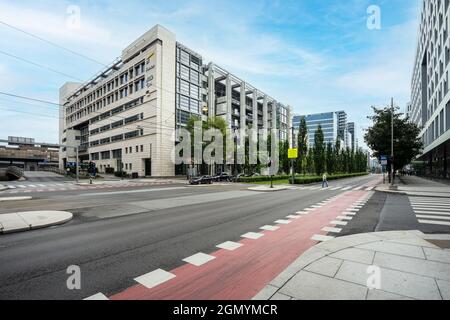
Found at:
[314, 55]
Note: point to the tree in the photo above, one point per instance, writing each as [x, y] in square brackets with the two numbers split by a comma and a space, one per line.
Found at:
[330, 158]
[302, 145]
[319, 151]
[284, 159]
[407, 143]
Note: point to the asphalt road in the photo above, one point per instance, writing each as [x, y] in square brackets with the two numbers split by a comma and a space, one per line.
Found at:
[123, 233]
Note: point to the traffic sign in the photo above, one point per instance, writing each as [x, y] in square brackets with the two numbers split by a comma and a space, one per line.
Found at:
[293, 153]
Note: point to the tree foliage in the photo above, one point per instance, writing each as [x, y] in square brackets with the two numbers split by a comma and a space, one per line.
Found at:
[407, 144]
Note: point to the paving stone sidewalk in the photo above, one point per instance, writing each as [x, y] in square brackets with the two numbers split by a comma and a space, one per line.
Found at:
[417, 186]
[401, 265]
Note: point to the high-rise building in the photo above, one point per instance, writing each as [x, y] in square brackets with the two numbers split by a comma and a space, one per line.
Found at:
[334, 126]
[125, 117]
[430, 97]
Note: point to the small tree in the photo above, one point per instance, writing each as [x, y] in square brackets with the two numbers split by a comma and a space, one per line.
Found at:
[302, 145]
[407, 143]
[319, 151]
[330, 158]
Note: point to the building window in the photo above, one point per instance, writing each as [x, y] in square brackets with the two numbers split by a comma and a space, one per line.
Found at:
[117, 154]
[131, 166]
[106, 155]
[95, 156]
[142, 148]
[137, 148]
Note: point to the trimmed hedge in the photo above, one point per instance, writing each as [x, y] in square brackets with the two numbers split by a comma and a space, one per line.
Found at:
[301, 179]
[306, 180]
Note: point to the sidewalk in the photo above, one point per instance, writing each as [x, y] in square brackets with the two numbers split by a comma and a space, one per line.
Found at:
[416, 186]
[24, 221]
[401, 265]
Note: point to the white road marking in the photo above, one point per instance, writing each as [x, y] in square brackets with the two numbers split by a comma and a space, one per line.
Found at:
[339, 223]
[346, 188]
[357, 188]
[349, 213]
[229, 245]
[344, 218]
[41, 185]
[31, 185]
[270, 228]
[444, 223]
[432, 208]
[432, 212]
[331, 229]
[281, 221]
[421, 216]
[97, 296]
[252, 235]
[321, 238]
[130, 191]
[353, 210]
[292, 217]
[199, 259]
[154, 278]
[335, 188]
[316, 206]
[308, 209]
[369, 188]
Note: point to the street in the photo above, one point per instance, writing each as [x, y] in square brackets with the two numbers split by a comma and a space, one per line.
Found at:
[118, 235]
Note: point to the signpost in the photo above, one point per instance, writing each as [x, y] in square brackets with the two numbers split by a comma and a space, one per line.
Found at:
[384, 162]
[293, 154]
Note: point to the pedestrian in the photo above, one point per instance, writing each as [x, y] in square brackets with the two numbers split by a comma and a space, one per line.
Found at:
[324, 180]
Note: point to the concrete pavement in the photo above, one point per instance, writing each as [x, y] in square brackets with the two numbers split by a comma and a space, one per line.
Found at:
[23, 221]
[417, 186]
[394, 265]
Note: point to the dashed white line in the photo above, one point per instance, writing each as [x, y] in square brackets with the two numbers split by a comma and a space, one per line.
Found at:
[293, 217]
[421, 216]
[252, 235]
[97, 296]
[199, 259]
[154, 278]
[339, 223]
[281, 221]
[344, 218]
[270, 228]
[331, 229]
[321, 238]
[229, 245]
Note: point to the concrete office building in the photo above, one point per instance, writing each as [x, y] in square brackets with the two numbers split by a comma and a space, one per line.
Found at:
[334, 126]
[328, 122]
[430, 97]
[126, 116]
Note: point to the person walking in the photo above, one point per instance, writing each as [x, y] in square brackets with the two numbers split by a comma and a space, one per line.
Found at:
[324, 180]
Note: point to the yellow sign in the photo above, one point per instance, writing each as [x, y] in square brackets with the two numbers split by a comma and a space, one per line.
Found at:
[293, 153]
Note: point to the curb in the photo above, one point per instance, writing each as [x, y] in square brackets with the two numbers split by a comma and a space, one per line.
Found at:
[31, 226]
[275, 189]
[4, 199]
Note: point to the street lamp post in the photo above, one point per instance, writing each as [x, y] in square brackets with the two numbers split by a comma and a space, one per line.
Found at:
[392, 141]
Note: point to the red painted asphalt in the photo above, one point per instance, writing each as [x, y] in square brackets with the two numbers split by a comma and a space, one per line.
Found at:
[241, 274]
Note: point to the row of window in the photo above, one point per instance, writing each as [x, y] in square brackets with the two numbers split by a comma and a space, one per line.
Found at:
[117, 124]
[133, 72]
[119, 137]
[119, 94]
[116, 154]
[119, 109]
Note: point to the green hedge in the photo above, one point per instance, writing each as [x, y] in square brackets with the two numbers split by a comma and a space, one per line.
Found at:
[301, 179]
[306, 180]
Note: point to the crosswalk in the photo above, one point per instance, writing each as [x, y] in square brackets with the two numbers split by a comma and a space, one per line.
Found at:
[51, 187]
[434, 211]
[342, 188]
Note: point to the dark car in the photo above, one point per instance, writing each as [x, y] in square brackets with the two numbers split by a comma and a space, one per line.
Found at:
[201, 180]
[222, 177]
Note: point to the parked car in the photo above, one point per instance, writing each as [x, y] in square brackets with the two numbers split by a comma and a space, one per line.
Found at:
[201, 180]
[222, 177]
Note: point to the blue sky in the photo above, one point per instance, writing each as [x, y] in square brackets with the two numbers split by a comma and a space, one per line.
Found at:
[315, 55]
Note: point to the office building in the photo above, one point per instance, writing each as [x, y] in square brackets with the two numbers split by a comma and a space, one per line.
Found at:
[430, 97]
[126, 116]
[334, 126]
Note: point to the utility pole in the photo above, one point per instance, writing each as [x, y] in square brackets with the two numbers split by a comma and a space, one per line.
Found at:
[392, 141]
[292, 160]
[77, 166]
